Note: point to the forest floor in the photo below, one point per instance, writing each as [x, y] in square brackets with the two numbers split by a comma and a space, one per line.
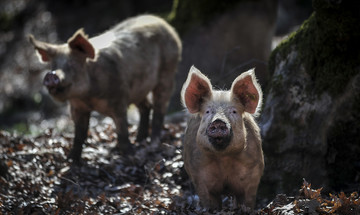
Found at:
[36, 178]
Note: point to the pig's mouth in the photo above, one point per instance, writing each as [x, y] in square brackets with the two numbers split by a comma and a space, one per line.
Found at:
[220, 143]
[219, 134]
[56, 90]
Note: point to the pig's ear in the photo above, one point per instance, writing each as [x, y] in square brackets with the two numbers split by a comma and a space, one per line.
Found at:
[45, 50]
[246, 89]
[196, 90]
[79, 41]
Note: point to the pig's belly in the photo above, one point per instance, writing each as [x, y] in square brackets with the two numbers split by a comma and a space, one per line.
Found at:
[140, 89]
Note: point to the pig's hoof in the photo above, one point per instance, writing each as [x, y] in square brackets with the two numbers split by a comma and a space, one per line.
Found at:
[141, 137]
[152, 146]
[155, 141]
[74, 158]
[74, 161]
[129, 149]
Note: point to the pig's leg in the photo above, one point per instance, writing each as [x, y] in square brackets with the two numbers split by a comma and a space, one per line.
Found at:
[161, 97]
[208, 199]
[144, 109]
[207, 186]
[240, 198]
[81, 120]
[124, 145]
[249, 198]
[160, 104]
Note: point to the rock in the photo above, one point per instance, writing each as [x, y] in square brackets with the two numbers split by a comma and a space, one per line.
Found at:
[312, 106]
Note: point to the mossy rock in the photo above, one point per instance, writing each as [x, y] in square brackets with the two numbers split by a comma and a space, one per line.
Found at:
[312, 108]
[328, 45]
[6, 21]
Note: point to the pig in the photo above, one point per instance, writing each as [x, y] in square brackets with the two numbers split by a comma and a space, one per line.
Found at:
[132, 63]
[222, 144]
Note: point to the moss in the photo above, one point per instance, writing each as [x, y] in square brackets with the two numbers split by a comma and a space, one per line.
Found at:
[328, 46]
[187, 13]
[6, 21]
[20, 128]
[282, 50]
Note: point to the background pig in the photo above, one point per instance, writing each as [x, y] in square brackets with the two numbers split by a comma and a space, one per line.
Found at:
[108, 72]
[222, 143]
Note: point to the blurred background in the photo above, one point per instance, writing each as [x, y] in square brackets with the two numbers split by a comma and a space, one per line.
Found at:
[311, 81]
[222, 39]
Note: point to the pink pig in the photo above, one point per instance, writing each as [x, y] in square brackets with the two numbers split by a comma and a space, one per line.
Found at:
[108, 72]
[222, 144]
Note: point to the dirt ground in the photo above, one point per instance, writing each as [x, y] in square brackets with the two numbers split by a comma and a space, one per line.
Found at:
[36, 178]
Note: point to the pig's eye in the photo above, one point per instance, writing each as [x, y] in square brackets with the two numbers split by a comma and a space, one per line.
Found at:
[207, 112]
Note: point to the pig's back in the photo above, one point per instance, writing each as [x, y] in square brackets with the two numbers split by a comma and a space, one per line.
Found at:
[139, 50]
[149, 28]
[134, 31]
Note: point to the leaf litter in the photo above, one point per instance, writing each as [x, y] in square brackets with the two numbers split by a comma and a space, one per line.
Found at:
[36, 178]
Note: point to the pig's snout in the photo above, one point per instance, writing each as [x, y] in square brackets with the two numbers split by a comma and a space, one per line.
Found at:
[52, 82]
[51, 79]
[219, 134]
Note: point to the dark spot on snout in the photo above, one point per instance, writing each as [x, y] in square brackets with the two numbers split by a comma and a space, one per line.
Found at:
[219, 134]
[52, 82]
[51, 79]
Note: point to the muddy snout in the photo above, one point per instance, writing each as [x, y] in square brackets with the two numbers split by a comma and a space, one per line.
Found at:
[219, 134]
[51, 81]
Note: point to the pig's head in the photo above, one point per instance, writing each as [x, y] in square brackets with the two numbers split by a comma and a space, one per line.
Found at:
[222, 112]
[68, 77]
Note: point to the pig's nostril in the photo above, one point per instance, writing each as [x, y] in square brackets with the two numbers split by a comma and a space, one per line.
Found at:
[218, 124]
[217, 129]
[51, 79]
